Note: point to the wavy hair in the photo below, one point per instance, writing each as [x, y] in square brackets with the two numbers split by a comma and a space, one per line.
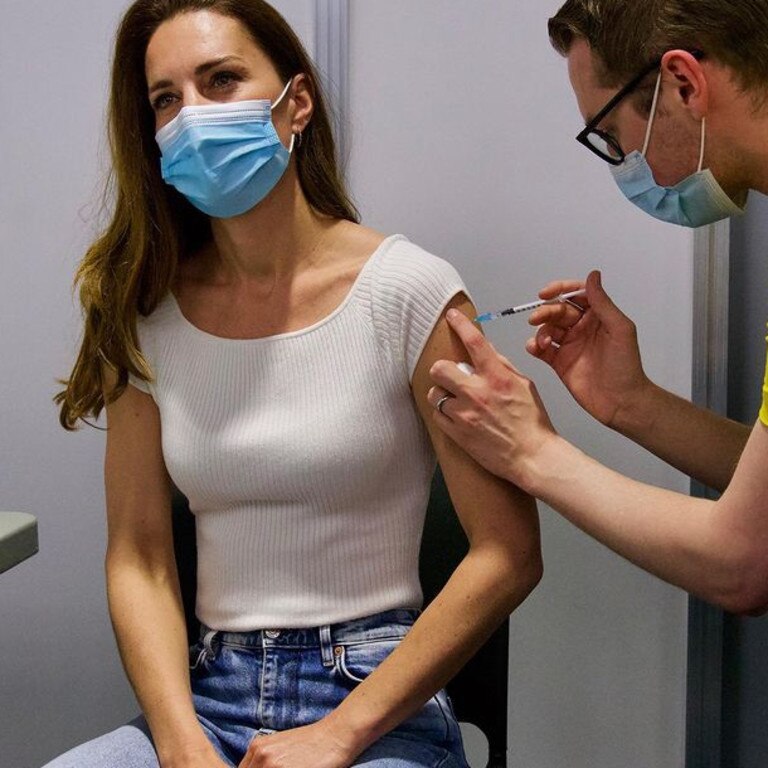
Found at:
[130, 267]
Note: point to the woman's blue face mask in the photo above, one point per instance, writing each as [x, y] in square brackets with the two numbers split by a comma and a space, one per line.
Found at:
[224, 158]
[694, 202]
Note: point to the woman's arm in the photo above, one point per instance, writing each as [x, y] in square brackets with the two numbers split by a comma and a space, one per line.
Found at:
[502, 567]
[716, 550]
[142, 582]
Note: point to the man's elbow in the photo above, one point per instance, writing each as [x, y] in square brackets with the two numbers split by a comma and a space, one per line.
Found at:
[747, 591]
[747, 603]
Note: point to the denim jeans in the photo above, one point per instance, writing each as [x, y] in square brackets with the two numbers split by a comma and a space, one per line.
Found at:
[255, 683]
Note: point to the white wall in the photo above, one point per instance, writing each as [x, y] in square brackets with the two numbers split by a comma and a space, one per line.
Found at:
[462, 138]
[60, 677]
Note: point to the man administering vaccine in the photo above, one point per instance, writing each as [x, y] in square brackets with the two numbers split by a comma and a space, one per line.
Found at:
[674, 94]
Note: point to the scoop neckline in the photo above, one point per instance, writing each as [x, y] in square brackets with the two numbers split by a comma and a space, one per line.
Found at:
[383, 246]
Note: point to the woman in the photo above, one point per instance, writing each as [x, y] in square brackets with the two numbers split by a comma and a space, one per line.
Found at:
[278, 375]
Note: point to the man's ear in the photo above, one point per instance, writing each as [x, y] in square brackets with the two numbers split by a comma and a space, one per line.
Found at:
[684, 72]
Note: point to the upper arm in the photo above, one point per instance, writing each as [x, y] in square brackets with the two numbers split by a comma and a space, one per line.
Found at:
[739, 527]
[138, 489]
[491, 511]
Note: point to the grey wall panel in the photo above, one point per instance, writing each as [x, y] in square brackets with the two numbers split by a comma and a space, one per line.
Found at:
[745, 669]
[749, 310]
[462, 138]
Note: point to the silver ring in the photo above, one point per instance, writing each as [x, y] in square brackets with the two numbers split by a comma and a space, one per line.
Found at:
[441, 402]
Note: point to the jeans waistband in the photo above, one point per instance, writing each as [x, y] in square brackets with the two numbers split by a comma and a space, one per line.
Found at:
[387, 625]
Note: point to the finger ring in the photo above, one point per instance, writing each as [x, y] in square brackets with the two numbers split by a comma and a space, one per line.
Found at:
[441, 403]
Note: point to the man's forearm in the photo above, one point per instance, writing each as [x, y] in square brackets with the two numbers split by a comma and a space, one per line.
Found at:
[671, 535]
[699, 443]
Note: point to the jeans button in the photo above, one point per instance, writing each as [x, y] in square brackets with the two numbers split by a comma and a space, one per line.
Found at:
[272, 634]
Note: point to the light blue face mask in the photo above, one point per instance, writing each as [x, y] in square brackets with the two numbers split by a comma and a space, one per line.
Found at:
[224, 158]
[694, 202]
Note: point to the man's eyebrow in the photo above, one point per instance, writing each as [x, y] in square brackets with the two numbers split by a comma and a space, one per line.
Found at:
[200, 70]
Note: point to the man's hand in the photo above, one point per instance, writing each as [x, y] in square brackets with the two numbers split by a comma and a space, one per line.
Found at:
[594, 351]
[495, 414]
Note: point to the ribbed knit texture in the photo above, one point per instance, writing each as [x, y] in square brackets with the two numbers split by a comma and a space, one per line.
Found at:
[303, 455]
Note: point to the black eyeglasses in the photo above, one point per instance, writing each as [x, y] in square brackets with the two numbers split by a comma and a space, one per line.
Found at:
[601, 142]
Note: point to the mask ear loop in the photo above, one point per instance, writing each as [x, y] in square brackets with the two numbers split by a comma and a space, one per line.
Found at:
[652, 118]
[282, 95]
[703, 142]
[275, 105]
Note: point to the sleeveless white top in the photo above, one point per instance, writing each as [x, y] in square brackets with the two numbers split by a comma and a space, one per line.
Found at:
[303, 456]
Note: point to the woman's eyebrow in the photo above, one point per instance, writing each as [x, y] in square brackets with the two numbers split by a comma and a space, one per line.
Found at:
[200, 70]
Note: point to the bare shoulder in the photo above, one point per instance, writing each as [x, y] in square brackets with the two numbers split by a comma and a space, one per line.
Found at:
[443, 344]
[354, 243]
[347, 249]
[132, 417]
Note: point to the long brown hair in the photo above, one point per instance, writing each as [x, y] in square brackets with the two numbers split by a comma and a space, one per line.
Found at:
[129, 268]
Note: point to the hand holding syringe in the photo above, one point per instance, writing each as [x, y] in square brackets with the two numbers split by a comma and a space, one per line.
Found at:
[564, 298]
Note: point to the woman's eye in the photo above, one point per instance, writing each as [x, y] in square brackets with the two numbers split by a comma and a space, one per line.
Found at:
[223, 79]
[163, 101]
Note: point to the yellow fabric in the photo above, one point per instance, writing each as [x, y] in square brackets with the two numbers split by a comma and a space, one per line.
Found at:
[764, 409]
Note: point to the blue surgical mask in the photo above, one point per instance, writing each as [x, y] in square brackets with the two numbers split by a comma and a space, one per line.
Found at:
[224, 158]
[694, 202]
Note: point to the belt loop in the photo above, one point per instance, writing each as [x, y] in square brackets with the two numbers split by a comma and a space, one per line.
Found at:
[208, 648]
[207, 653]
[326, 646]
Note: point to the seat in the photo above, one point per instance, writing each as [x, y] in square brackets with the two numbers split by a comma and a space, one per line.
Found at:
[479, 690]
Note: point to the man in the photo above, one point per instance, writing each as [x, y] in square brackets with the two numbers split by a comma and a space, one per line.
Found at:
[675, 97]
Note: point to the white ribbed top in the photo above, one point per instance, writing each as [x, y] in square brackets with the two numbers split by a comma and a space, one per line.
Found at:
[302, 455]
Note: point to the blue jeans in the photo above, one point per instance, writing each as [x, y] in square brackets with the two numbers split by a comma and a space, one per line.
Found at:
[255, 683]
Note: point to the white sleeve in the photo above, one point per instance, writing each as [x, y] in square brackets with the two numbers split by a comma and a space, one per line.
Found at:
[140, 384]
[411, 290]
